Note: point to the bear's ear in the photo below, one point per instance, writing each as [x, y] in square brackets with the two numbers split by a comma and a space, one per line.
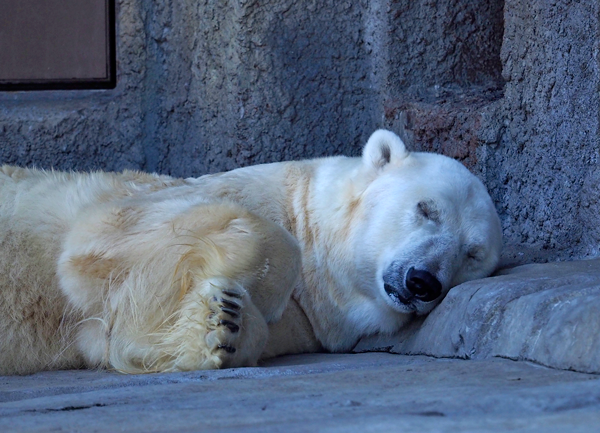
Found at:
[384, 147]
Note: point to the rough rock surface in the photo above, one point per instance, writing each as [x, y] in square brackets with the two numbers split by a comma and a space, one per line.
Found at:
[543, 174]
[546, 313]
[372, 392]
[508, 87]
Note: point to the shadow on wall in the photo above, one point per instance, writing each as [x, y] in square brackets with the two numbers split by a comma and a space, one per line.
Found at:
[311, 96]
[320, 66]
[276, 81]
[445, 74]
[451, 46]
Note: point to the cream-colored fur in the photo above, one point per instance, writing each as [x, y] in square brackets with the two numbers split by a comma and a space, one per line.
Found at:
[144, 273]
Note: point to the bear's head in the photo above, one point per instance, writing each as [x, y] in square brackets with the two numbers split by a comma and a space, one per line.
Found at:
[429, 225]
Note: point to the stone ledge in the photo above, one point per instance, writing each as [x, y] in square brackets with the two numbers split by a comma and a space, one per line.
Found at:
[544, 313]
[375, 392]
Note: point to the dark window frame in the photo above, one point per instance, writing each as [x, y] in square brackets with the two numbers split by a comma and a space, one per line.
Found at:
[78, 84]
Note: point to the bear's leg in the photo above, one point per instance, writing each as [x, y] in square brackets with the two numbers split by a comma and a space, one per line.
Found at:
[231, 302]
[193, 291]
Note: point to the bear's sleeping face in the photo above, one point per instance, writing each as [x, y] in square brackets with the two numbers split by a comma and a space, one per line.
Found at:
[429, 225]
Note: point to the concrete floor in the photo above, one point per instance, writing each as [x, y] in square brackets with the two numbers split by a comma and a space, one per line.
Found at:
[370, 392]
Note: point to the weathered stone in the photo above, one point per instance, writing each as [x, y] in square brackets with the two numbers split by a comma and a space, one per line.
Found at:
[546, 313]
[327, 393]
[455, 125]
[543, 171]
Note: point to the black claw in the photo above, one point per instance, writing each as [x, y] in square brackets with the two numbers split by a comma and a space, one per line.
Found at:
[232, 294]
[230, 325]
[230, 304]
[226, 348]
[231, 312]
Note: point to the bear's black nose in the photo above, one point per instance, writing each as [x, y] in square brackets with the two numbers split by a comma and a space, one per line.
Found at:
[423, 285]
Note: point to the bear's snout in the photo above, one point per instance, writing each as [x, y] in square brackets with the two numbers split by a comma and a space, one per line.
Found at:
[423, 285]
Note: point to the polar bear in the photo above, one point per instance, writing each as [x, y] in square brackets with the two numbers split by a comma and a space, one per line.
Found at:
[144, 273]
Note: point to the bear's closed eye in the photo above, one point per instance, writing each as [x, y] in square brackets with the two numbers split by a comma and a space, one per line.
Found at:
[427, 210]
[474, 253]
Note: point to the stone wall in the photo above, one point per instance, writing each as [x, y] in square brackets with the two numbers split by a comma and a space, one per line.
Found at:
[512, 89]
[544, 172]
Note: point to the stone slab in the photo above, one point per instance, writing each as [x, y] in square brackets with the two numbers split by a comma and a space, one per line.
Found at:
[546, 313]
[369, 392]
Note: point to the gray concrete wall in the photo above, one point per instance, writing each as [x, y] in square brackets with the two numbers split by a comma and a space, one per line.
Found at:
[509, 88]
[544, 172]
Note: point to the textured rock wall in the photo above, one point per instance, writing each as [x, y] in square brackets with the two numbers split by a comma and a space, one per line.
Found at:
[268, 81]
[543, 173]
[510, 88]
[444, 75]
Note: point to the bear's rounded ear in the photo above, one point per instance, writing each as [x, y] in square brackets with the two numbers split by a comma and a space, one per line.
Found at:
[384, 147]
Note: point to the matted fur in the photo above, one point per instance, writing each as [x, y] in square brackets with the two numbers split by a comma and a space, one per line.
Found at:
[145, 273]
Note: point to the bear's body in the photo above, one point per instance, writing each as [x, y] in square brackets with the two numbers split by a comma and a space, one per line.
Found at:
[141, 272]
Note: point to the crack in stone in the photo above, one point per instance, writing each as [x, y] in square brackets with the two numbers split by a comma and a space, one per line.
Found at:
[66, 408]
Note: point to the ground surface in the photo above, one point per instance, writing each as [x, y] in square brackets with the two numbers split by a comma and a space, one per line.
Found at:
[370, 392]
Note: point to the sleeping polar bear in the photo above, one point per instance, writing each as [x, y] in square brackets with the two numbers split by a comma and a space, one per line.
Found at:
[144, 273]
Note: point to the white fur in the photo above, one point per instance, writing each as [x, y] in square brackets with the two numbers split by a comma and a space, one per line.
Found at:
[146, 273]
